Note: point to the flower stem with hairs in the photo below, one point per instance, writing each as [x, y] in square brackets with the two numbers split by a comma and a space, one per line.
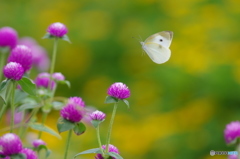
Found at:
[12, 105]
[68, 143]
[110, 127]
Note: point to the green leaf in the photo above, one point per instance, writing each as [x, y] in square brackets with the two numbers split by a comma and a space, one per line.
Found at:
[96, 123]
[115, 155]
[95, 150]
[48, 152]
[40, 127]
[65, 82]
[18, 156]
[27, 106]
[5, 88]
[4, 84]
[65, 38]
[64, 125]
[57, 105]
[126, 102]
[79, 128]
[28, 86]
[48, 36]
[19, 96]
[110, 99]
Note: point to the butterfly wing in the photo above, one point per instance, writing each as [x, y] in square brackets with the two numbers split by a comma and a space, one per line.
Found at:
[157, 52]
[163, 38]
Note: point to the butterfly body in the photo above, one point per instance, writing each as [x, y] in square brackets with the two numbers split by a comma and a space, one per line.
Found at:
[157, 46]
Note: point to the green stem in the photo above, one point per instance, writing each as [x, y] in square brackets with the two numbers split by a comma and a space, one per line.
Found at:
[44, 117]
[238, 149]
[22, 127]
[54, 55]
[2, 63]
[12, 106]
[110, 127]
[99, 140]
[68, 143]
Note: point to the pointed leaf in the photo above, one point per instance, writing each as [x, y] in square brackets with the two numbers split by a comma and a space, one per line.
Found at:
[64, 125]
[126, 102]
[27, 106]
[3, 95]
[65, 38]
[96, 123]
[4, 84]
[79, 128]
[19, 96]
[65, 82]
[48, 152]
[28, 86]
[115, 155]
[47, 36]
[95, 150]
[40, 127]
[110, 99]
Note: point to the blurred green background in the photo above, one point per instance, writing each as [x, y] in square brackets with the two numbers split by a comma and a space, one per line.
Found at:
[179, 109]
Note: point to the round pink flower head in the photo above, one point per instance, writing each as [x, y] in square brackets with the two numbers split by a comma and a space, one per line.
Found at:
[43, 80]
[97, 115]
[232, 131]
[111, 149]
[8, 37]
[23, 55]
[57, 29]
[38, 142]
[73, 111]
[13, 71]
[119, 90]
[232, 156]
[10, 144]
[77, 101]
[30, 154]
[58, 76]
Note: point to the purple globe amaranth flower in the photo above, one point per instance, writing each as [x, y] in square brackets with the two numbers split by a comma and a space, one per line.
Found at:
[72, 112]
[232, 131]
[232, 156]
[58, 76]
[76, 100]
[57, 29]
[43, 80]
[30, 154]
[97, 115]
[119, 90]
[13, 70]
[39, 54]
[111, 149]
[10, 144]
[8, 37]
[38, 142]
[23, 55]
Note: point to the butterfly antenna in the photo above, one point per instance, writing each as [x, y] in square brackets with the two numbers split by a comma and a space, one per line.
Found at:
[140, 37]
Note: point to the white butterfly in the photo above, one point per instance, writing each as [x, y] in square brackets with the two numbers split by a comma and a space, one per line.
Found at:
[157, 46]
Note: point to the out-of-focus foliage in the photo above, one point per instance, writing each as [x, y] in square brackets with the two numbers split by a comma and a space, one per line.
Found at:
[178, 109]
